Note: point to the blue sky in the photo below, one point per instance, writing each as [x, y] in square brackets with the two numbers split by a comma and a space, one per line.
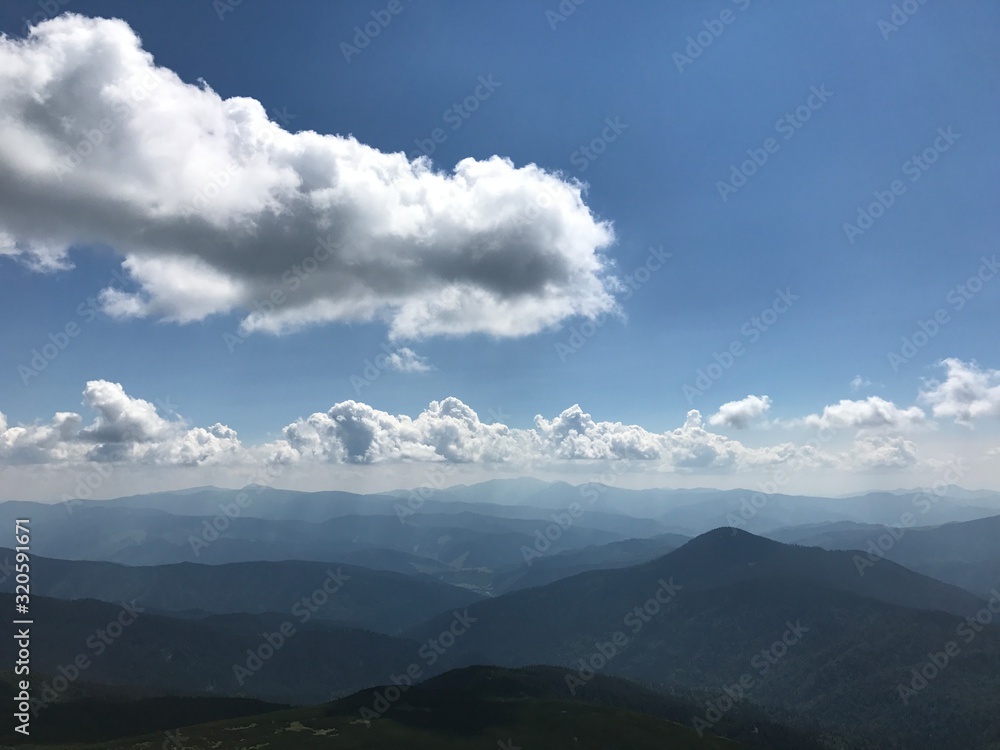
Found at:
[837, 101]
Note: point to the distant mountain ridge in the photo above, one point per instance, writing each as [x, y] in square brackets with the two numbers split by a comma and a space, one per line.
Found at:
[965, 554]
[608, 508]
[353, 596]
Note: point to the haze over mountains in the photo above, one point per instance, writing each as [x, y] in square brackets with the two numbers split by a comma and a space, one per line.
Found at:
[821, 633]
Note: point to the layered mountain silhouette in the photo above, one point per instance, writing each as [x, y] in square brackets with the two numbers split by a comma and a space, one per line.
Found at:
[376, 600]
[787, 628]
[965, 553]
[843, 631]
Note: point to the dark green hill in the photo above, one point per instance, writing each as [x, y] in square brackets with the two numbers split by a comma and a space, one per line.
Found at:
[480, 708]
[97, 713]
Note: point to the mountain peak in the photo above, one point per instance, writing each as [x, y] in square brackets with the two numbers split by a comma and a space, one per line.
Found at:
[729, 541]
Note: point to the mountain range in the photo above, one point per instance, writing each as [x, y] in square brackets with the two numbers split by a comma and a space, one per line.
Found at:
[804, 639]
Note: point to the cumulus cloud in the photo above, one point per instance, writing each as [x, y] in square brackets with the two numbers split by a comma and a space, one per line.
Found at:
[287, 229]
[574, 434]
[41, 443]
[739, 414]
[880, 452]
[872, 413]
[126, 429]
[353, 432]
[968, 392]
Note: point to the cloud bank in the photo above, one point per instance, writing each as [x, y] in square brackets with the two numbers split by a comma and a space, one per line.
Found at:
[129, 430]
[288, 229]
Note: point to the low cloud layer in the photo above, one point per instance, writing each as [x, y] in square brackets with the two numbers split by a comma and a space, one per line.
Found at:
[124, 429]
[286, 229]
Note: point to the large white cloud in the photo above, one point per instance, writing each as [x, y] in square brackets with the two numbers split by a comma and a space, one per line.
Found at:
[216, 208]
[968, 392]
